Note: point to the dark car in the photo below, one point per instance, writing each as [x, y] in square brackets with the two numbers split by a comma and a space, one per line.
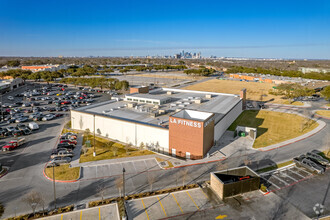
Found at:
[65, 145]
[21, 126]
[26, 131]
[16, 132]
[37, 118]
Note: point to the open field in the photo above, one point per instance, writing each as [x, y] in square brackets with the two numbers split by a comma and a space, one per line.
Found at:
[63, 172]
[274, 127]
[171, 76]
[325, 113]
[255, 91]
[106, 149]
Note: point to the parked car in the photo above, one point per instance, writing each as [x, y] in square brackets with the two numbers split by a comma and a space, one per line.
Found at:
[62, 153]
[10, 98]
[21, 126]
[318, 158]
[48, 117]
[26, 131]
[33, 126]
[13, 144]
[74, 142]
[21, 119]
[65, 145]
[58, 161]
[303, 161]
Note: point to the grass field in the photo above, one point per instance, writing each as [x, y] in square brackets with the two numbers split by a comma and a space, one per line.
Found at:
[274, 127]
[255, 91]
[63, 172]
[106, 149]
[325, 113]
[168, 76]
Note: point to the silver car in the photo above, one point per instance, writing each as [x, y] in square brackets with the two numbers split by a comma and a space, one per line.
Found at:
[56, 161]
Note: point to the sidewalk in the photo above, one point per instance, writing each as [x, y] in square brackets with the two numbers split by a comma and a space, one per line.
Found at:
[306, 105]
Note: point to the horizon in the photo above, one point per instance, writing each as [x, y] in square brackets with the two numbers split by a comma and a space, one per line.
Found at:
[264, 30]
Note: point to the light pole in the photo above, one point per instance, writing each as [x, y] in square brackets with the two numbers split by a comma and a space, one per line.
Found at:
[54, 186]
[94, 153]
[124, 190]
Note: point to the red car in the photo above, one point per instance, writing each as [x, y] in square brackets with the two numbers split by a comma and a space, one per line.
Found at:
[69, 141]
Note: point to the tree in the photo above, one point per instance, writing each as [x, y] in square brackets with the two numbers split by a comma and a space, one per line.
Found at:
[87, 133]
[13, 63]
[141, 146]
[119, 184]
[184, 173]
[101, 190]
[326, 93]
[33, 199]
[151, 180]
[114, 150]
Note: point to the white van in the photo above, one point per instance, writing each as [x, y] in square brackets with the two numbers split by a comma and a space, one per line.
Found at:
[33, 126]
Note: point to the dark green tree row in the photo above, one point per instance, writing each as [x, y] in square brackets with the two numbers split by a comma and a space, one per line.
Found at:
[277, 72]
[292, 91]
[108, 83]
[36, 76]
[326, 93]
[200, 72]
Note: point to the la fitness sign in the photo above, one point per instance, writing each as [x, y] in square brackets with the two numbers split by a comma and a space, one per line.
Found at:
[194, 124]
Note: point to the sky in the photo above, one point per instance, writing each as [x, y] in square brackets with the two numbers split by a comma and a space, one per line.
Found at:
[253, 29]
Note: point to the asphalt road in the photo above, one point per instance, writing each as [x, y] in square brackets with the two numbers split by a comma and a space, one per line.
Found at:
[26, 167]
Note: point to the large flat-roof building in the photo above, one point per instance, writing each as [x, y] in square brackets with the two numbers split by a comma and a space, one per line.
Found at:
[178, 122]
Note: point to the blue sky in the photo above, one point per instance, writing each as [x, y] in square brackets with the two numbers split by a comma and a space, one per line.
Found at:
[270, 29]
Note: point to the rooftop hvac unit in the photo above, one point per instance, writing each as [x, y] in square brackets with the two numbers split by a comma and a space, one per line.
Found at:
[106, 111]
[178, 109]
[208, 96]
[173, 105]
[185, 99]
[178, 102]
[191, 97]
[186, 103]
[198, 101]
[169, 92]
[182, 105]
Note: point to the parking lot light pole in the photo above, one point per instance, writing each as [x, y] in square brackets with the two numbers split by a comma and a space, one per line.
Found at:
[54, 186]
[94, 153]
[124, 182]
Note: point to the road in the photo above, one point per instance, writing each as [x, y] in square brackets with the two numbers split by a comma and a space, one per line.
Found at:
[26, 167]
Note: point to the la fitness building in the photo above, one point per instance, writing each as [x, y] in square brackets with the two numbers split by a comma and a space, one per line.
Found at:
[181, 123]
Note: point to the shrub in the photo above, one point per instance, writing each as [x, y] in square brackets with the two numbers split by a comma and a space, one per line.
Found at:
[263, 188]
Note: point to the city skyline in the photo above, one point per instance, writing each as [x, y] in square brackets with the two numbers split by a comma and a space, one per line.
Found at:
[281, 29]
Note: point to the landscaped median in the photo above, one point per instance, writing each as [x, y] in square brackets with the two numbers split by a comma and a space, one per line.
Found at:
[63, 173]
[274, 127]
[276, 166]
[323, 113]
[106, 149]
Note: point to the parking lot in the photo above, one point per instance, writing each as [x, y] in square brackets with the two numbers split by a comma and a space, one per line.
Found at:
[279, 179]
[132, 167]
[102, 213]
[170, 205]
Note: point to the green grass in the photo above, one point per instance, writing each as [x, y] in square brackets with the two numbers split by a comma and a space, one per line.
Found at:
[276, 166]
[273, 127]
[106, 149]
[63, 172]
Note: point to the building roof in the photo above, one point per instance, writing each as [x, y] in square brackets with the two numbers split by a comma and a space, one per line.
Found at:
[220, 104]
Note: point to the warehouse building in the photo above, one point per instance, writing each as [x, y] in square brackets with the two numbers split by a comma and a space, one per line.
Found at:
[177, 122]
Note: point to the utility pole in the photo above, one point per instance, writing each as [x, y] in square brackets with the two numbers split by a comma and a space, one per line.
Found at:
[94, 153]
[54, 186]
[124, 192]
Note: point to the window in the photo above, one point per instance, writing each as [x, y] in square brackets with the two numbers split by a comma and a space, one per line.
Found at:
[142, 101]
[149, 102]
[135, 100]
[156, 102]
[129, 99]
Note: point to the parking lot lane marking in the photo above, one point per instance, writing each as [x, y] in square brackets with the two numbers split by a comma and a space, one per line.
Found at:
[99, 213]
[192, 199]
[271, 183]
[283, 181]
[161, 206]
[177, 202]
[62, 217]
[221, 216]
[205, 195]
[80, 215]
[305, 171]
[292, 171]
[288, 176]
[145, 209]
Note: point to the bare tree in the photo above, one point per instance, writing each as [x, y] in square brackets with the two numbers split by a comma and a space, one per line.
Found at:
[101, 190]
[151, 180]
[141, 146]
[184, 173]
[119, 184]
[84, 149]
[33, 199]
[87, 133]
[114, 150]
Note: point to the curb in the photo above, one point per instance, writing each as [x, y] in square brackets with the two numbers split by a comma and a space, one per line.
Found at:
[321, 116]
[5, 173]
